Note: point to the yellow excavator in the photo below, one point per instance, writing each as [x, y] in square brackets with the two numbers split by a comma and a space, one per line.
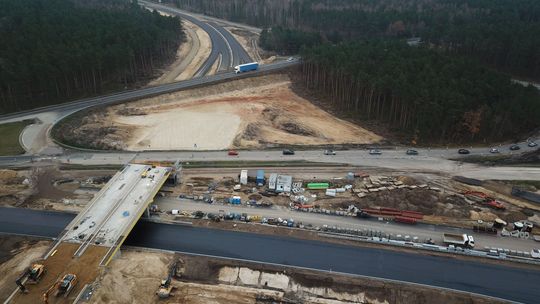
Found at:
[32, 274]
[62, 287]
[166, 288]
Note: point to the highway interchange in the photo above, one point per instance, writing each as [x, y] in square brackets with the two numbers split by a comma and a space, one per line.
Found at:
[515, 284]
[505, 282]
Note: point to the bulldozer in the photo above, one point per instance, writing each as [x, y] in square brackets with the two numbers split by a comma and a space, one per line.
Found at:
[61, 287]
[32, 274]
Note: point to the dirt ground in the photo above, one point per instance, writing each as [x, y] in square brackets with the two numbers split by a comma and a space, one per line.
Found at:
[86, 268]
[189, 57]
[135, 277]
[248, 113]
[17, 253]
[49, 188]
[248, 40]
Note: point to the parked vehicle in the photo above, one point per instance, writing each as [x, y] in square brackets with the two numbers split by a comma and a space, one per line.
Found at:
[463, 151]
[246, 67]
[288, 152]
[493, 150]
[515, 147]
[532, 144]
[232, 152]
[535, 253]
[329, 152]
[412, 152]
[461, 240]
[375, 152]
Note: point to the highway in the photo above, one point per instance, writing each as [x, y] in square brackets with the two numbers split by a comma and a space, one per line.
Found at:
[515, 284]
[224, 46]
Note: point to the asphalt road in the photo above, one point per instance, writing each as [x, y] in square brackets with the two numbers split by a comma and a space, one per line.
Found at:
[488, 279]
[505, 282]
[33, 222]
[224, 46]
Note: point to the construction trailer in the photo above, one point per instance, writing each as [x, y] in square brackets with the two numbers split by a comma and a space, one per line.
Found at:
[260, 178]
[283, 183]
[272, 181]
[244, 177]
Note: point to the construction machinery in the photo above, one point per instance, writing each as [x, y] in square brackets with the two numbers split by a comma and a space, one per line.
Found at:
[165, 288]
[484, 199]
[62, 287]
[31, 275]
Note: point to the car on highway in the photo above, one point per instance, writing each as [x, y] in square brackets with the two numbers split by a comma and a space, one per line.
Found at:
[375, 152]
[329, 152]
[288, 152]
[515, 147]
[463, 151]
[411, 152]
[290, 59]
[532, 144]
[232, 153]
[493, 150]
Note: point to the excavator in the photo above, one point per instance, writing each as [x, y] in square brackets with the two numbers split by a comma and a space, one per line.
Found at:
[32, 274]
[62, 287]
[165, 288]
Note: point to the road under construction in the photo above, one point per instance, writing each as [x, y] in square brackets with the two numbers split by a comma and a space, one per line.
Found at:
[95, 235]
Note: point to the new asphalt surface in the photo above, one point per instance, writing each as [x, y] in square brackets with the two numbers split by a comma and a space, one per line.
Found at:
[515, 284]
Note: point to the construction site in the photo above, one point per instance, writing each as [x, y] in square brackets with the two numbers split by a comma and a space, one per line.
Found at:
[256, 112]
[329, 204]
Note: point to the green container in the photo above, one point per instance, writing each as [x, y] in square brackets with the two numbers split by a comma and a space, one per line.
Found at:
[318, 186]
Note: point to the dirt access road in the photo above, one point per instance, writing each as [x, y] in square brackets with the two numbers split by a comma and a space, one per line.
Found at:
[248, 113]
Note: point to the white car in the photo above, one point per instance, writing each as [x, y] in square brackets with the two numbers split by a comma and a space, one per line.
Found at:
[535, 253]
[532, 144]
[493, 150]
[329, 152]
[375, 152]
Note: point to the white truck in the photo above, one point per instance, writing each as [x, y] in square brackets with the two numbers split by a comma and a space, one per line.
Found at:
[246, 67]
[461, 240]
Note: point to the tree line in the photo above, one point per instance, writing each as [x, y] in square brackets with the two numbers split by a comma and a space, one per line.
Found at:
[57, 50]
[430, 96]
[504, 34]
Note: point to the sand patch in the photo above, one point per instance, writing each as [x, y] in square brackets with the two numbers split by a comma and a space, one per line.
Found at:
[254, 112]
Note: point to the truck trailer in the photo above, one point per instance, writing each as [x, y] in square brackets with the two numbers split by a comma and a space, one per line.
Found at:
[246, 67]
[461, 240]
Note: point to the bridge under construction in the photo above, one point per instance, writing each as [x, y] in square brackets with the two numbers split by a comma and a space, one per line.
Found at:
[95, 235]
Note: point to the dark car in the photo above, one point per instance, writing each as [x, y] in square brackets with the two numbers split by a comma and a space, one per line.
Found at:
[463, 151]
[514, 147]
[288, 152]
[412, 152]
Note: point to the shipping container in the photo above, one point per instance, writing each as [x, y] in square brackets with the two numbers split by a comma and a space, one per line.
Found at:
[318, 186]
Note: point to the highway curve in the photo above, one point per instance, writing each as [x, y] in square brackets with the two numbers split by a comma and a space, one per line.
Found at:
[224, 46]
[514, 284]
